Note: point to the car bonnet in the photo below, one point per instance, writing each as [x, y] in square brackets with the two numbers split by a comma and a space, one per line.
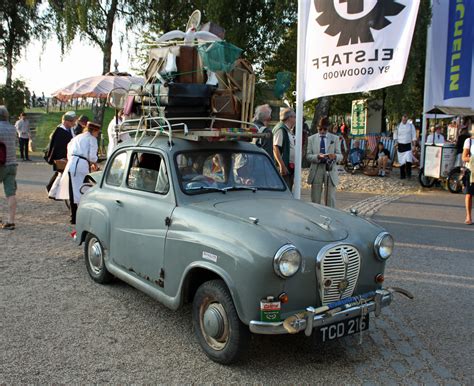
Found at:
[314, 222]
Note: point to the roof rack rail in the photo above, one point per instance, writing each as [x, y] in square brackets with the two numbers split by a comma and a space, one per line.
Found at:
[176, 127]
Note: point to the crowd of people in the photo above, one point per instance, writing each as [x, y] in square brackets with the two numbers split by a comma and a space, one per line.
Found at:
[73, 153]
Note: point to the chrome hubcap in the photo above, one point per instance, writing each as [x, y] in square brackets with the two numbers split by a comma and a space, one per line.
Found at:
[96, 256]
[214, 324]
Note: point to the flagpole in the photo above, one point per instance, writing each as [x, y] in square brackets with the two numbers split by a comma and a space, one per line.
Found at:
[300, 61]
[427, 94]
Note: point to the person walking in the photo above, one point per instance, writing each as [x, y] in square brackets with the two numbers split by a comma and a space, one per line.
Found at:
[8, 166]
[82, 159]
[405, 138]
[262, 119]
[324, 150]
[60, 139]
[284, 145]
[468, 180]
[23, 129]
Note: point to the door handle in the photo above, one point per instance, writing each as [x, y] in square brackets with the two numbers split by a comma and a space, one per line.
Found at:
[118, 202]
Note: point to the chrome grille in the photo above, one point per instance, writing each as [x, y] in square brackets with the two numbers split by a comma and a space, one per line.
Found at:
[337, 266]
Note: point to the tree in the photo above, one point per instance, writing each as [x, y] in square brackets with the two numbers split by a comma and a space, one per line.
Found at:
[94, 21]
[20, 22]
[14, 97]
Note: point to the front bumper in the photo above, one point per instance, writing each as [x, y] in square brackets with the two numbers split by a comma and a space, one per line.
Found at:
[311, 320]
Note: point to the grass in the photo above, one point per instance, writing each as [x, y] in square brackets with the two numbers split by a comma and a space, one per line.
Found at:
[51, 120]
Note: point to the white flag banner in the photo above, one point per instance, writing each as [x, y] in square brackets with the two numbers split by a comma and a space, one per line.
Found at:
[356, 45]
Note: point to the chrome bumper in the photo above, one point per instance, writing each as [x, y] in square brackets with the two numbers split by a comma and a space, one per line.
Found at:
[311, 320]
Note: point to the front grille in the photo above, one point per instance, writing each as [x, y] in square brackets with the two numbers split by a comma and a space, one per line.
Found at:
[335, 265]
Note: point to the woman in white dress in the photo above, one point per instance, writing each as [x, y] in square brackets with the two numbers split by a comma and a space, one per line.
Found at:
[81, 160]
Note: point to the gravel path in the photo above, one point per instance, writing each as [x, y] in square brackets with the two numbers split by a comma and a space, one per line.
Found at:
[359, 182]
[58, 326]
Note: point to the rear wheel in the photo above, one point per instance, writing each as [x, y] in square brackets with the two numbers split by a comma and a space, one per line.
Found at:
[94, 255]
[426, 182]
[454, 180]
[221, 334]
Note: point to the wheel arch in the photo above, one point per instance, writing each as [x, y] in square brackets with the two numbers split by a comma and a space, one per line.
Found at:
[198, 274]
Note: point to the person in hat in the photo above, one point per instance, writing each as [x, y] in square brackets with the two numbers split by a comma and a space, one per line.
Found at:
[60, 139]
[81, 124]
[82, 159]
[324, 150]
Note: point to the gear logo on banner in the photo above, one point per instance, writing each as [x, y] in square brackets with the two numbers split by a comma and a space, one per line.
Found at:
[356, 27]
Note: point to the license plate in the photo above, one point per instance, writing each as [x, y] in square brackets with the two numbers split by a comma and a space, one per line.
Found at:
[344, 328]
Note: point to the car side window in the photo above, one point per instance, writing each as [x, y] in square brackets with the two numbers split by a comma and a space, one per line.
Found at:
[116, 170]
[148, 173]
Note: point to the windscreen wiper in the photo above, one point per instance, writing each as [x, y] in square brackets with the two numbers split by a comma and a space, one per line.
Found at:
[207, 188]
[252, 188]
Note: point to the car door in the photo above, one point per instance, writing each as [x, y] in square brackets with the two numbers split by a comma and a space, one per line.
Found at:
[144, 208]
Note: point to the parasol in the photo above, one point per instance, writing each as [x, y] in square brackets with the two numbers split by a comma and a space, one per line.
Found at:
[96, 87]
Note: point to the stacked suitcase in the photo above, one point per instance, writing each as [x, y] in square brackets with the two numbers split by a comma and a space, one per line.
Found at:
[178, 86]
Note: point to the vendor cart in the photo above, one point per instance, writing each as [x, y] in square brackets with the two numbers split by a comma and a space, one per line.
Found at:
[439, 164]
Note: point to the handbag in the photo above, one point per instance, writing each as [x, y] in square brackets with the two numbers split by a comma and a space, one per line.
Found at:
[60, 164]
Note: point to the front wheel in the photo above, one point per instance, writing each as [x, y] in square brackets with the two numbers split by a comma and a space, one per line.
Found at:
[454, 180]
[221, 334]
[426, 182]
[94, 255]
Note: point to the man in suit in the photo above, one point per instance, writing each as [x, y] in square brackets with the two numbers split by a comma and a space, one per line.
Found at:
[324, 150]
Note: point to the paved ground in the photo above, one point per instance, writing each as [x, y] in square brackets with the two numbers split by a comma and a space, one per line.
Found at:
[57, 326]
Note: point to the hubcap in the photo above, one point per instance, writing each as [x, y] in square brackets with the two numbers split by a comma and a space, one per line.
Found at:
[214, 324]
[96, 257]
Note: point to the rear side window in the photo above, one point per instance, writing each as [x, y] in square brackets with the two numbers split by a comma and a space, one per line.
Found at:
[148, 173]
[116, 170]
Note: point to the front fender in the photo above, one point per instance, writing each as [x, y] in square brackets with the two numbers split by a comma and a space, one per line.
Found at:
[93, 218]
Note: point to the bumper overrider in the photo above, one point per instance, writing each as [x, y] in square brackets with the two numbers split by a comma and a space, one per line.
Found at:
[335, 312]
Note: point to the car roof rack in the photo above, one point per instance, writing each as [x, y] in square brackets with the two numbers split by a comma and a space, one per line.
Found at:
[177, 128]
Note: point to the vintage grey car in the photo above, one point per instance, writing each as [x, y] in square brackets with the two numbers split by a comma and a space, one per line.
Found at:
[213, 223]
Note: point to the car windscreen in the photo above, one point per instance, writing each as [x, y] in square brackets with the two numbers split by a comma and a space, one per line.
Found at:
[226, 170]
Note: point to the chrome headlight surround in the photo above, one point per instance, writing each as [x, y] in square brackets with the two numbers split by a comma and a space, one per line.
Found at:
[383, 246]
[287, 261]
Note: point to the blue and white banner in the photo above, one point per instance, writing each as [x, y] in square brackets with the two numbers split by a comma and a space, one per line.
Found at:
[449, 70]
[356, 45]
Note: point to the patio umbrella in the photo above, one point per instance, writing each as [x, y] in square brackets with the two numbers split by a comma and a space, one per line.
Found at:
[96, 87]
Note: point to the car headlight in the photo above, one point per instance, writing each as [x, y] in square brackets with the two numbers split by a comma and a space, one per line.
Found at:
[287, 261]
[383, 245]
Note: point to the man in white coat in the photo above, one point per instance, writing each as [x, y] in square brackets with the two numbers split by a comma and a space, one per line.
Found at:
[405, 139]
[115, 137]
[81, 160]
[324, 150]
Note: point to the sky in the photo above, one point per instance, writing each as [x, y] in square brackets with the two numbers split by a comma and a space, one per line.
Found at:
[44, 70]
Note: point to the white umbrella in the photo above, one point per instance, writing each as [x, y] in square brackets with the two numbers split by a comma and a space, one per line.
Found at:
[96, 86]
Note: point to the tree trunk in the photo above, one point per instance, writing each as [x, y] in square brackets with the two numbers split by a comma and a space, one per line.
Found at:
[321, 110]
[107, 48]
[9, 59]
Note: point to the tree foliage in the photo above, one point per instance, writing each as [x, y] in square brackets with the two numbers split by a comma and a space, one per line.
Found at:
[14, 97]
[20, 22]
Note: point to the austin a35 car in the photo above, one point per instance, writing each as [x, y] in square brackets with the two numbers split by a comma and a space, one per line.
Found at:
[212, 223]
